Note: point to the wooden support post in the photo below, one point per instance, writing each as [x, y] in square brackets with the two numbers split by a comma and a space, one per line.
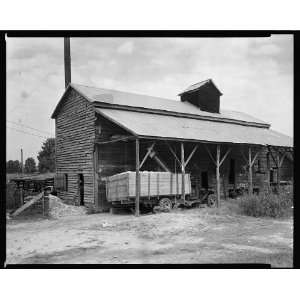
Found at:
[137, 177]
[218, 162]
[218, 174]
[182, 173]
[278, 170]
[96, 178]
[268, 169]
[250, 188]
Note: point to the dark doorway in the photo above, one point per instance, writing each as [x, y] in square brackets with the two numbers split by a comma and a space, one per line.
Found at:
[81, 188]
[271, 176]
[231, 178]
[204, 180]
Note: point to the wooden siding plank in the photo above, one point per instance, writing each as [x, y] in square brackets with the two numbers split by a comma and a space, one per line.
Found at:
[75, 134]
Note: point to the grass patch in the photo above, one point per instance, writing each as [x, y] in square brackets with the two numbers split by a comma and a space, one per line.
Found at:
[268, 204]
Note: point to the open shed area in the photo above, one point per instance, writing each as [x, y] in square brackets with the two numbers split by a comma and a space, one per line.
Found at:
[102, 134]
[199, 236]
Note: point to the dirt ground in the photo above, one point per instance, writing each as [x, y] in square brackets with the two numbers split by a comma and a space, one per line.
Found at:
[199, 236]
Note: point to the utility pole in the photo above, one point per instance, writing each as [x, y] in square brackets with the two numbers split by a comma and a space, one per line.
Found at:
[67, 54]
[22, 171]
[22, 166]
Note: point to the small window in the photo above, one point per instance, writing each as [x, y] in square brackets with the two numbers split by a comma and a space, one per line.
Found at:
[66, 182]
[60, 182]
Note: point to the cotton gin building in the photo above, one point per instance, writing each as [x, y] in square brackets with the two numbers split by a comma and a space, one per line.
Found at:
[101, 132]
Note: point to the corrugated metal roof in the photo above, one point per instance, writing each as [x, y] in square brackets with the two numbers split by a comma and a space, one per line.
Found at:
[149, 102]
[162, 126]
[34, 177]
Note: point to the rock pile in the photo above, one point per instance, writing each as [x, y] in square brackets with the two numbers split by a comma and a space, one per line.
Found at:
[58, 209]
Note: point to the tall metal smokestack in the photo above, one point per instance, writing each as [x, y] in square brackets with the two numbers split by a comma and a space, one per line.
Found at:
[67, 61]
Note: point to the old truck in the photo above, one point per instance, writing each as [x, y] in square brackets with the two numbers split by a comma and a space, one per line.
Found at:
[157, 188]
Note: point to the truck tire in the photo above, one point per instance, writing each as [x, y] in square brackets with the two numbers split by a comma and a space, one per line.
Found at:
[165, 204]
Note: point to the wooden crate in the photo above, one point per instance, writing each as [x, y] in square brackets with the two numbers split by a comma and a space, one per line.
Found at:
[153, 184]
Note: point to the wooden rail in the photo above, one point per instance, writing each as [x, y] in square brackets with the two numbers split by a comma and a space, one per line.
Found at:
[28, 204]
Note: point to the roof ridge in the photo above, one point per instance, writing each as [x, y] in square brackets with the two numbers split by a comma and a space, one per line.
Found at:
[175, 106]
[122, 91]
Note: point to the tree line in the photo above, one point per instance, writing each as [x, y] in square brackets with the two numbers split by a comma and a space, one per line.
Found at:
[46, 160]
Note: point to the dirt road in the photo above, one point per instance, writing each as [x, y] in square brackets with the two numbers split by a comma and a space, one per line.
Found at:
[202, 235]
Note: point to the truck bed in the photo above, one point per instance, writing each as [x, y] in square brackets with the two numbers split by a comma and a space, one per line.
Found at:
[122, 186]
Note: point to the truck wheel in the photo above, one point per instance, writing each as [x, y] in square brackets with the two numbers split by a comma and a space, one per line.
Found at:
[165, 204]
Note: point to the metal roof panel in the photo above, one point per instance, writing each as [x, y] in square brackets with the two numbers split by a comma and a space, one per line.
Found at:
[150, 102]
[162, 126]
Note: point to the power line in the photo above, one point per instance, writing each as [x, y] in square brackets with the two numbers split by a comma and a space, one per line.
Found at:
[16, 129]
[20, 124]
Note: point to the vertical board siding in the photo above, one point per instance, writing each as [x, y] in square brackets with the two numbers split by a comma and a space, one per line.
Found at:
[75, 135]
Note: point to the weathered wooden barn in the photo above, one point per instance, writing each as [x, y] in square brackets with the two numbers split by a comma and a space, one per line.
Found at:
[101, 132]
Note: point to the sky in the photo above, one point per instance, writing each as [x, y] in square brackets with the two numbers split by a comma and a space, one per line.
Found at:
[255, 76]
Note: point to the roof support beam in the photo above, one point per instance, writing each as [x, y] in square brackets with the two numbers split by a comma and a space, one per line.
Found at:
[225, 155]
[270, 151]
[279, 161]
[147, 154]
[254, 158]
[290, 156]
[115, 140]
[191, 155]
[250, 163]
[173, 152]
[159, 161]
[210, 155]
[152, 154]
[221, 159]
[282, 158]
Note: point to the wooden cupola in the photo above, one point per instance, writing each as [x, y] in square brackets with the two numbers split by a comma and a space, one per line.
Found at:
[204, 95]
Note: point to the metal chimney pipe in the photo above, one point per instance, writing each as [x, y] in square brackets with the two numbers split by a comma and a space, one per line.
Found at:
[67, 61]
